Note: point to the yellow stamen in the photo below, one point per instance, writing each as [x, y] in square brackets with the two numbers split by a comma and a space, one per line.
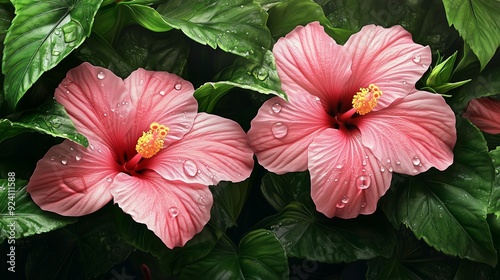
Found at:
[366, 99]
[151, 142]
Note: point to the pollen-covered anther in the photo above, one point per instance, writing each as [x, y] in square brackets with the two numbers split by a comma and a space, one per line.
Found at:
[151, 142]
[366, 99]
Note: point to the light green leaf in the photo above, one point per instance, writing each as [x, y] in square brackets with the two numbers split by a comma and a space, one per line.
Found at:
[478, 22]
[19, 216]
[259, 256]
[439, 78]
[448, 209]
[235, 26]
[50, 118]
[41, 35]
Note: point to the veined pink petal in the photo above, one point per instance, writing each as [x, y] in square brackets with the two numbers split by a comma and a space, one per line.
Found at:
[164, 98]
[310, 62]
[282, 131]
[175, 211]
[216, 149]
[485, 114]
[72, 180]
[388, 58]
[412, 135]
[98, 104]
[346, 179]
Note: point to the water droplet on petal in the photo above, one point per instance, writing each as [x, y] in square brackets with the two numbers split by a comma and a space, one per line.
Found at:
[91, 147]
[382, 169]
[64, 161]
[173, 211]
[345, 199]
[100, 75]
[52, 158]
[415, 161]
[340, 205]
[105, 114]
[276, 107]
[390, 169]
[162, 92]
[339, 166]
[398, 162]
[388, 160]
[78, 157]
[416, 58]
[279, 130]
[178, 86]
[364, 162]
[190, 168]
[109, 180]
[363, 182]
[363, 205]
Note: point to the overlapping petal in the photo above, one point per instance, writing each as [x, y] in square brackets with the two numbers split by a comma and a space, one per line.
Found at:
[346, 179]
[485, 114]
[215, 149]
[387, 57]
[72, 180]
[310, 62]
[282, 131]
[174, 210]
[412, 135]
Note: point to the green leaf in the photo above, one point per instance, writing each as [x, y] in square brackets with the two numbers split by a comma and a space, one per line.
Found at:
[478, 22]
[494, 201]
[235, 26]
[448, 209]
[259, 256]
[229, 199]
[41, 35]
[439, 78]
[281, 190]
[310, 235]
[19, 216]
[50, 118]
[472, 270]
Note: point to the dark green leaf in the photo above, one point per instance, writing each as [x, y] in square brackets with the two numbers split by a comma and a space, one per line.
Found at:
[310, 235]
[50, 118]
[494, 201]
[259, 256]
[20, 216]
[209, 94]
[478, 22]
[448, 209]
[472, 270]
[41, 35]
[281, 190]
[235, 26]
[229, 199]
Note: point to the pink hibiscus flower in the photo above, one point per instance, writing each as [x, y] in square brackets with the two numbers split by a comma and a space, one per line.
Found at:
[353, 116]
[485, 114]
[149, 151]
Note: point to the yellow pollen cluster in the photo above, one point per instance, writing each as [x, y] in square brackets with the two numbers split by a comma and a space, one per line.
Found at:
[366, 99]
[151, 142]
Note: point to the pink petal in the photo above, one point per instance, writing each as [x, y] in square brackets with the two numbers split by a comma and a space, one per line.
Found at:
[175, 211]
[164, 98]
[216, 149]
[282, 131]
[346, 179]
[412, 135]
[485, 114]
[98, 103]
[73, 181]
[309, 61]
[388, 58]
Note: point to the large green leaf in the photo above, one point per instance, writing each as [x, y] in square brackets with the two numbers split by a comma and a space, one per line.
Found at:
[20, 216]
[259, 256]
[229, 199]
[50, 118]
[448, 209]
[281, 190]
[310, 235]
[41, 35]
[235, 26]
[478, 22]
[494, 201]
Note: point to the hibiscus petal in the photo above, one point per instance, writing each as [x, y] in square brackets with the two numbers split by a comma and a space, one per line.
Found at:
[346, 179]
[412, 135]
[216, 149]
[98, 104]
[310, 61]
[164, 98]
[388, 58]
[174, 211]
[72, 180]
[282, 131]
[485, 114]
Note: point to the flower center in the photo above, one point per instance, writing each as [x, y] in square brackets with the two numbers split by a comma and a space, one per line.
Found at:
[366, 99]
[151, 142]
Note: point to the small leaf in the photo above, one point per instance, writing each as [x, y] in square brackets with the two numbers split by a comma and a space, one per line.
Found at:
[50, 118]
[259, 256]
[41, 35]
[478, 22]
[439, 78]
[19, 216]
[235, 26]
